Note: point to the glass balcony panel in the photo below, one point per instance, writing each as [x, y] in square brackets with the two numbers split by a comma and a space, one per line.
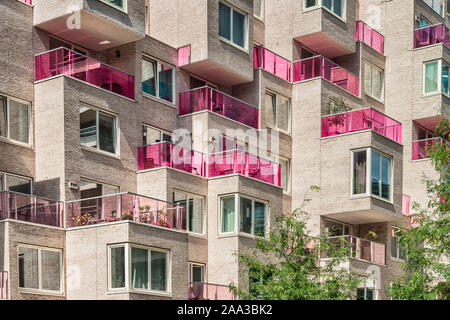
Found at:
[430, 35]
[369, 36]
[271, 62]
[208, 291]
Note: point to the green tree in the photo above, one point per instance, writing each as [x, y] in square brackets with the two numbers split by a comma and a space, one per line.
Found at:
[426, 236]
[286, 265]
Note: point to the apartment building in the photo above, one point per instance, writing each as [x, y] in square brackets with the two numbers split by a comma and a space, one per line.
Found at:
[144, 143]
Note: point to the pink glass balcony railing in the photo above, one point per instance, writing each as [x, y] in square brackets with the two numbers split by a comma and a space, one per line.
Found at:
[265, 59]
[64, 61]
[429, 35]
[369, 36]
[208, 291]
[420, 148]
[239, 162]
[30, 2]
[22, 207]
[319, 66]
[4, 291]
[206, 98]
[166, 154]
[363, 249]
[125, 206]
[359, 120]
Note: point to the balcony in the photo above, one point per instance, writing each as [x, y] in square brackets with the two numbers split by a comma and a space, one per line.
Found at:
[420, 148]
[208, 291]
[206, 98]
[362, 249]
[30, 2]
[369, 36]
[22, 207]
[166, 154]
[359, 120]
[271, 62]
[4, 291]
[125, 206]
[429, 35]
[64, 61]
[319, 66]
[239, 162]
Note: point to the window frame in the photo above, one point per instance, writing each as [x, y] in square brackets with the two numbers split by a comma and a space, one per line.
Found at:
[246, 31]
[349, 226]
[124, 9]
[191, 271]
[275, 115]
[439, 90]
[368, 192]
[3, 185]
[188, 196]
[8, 138]
[320, 5]
[161, 134]
[371, 67]
[288, 174]
[128, 270]
[431, 6]
[159, 63]
[103, 186]
[397, 258]
[261, 10]
[39, 260]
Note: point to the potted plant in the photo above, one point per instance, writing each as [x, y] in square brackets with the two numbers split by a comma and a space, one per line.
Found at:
[83, 219]
[128, 215]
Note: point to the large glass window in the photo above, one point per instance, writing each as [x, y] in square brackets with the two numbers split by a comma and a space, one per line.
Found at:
[120, 4]
[228, 209]
[158, 79]
[373, 81]
[335, 228]
[335, 6]
[436, 5]
[15, 119]
[396, 250]
[195, 208]
[277, 111]
[40, 269]
[9, 182]
[98, 130]
[436, 77]
[152, 135]
[380, 173]
[233, 25]
[149, 268]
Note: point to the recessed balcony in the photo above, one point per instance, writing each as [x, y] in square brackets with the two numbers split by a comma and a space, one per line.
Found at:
[22, 207]
[239, 162]
[206, 98]
[209, 291]
[360, 120]
[271, 62]
[125, 206]
[321, 67]
[420, 148]
[166, 154]
[4, 291]
[63, 61]
[429, 35]
[362, 249]
[369, 36]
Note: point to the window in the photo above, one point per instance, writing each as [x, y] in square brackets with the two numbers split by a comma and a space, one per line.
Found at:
[91, 189]
[152, 135]
[380, 173]
[423, 22]
[285, 174]
[335, 6]
[233, 25]
[396, 250]
[14, 183]
[335, 228]
[277, 111]
[365, 293]
[120, 4]
[40, 269]
[98, 130]
[436, 77]
[196, 272]
[15, 119]
[195, 208]
[258, 6]
[138, 268]
[436, 5]
[158, 79]
[252, 215]
[373, 81]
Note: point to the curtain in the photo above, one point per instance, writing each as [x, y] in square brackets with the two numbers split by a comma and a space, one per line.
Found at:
[149, 77]
[385, 178]
[224, 21]
[118, 267]
[376, 170]
[18, 121]
[239, 29]
[165, 75]
[245, 220]
[50, 263]
[359, 172]
[228, 214]
[107, 133]
[431, 77]
[159, 271]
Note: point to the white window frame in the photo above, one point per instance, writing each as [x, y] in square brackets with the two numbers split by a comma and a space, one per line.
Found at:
[320, 5]
[102, 184]
[440, 63]
[188, 196]
[394, 228]
[288, 174]
[191, 271]
[8, 121]
[128, 287]
[341, 223]
[368, 192]
[370, 67]
[124, 9]
[61, 271]
[161, 133]
[158, 64]
[372, 286]
[261, 10]
[231, 42]
[431, 6]
[4, 174]
[237, 215]
[116, 128]
[275, 125]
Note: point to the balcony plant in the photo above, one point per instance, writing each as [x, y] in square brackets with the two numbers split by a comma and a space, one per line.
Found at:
[128, 215]
[337, 106]
[163, 215]
[83, 219]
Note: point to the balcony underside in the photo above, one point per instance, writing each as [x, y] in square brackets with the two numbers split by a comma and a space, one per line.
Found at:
[363, 216]
[324, 45]
[216, 73]
[93, 30]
